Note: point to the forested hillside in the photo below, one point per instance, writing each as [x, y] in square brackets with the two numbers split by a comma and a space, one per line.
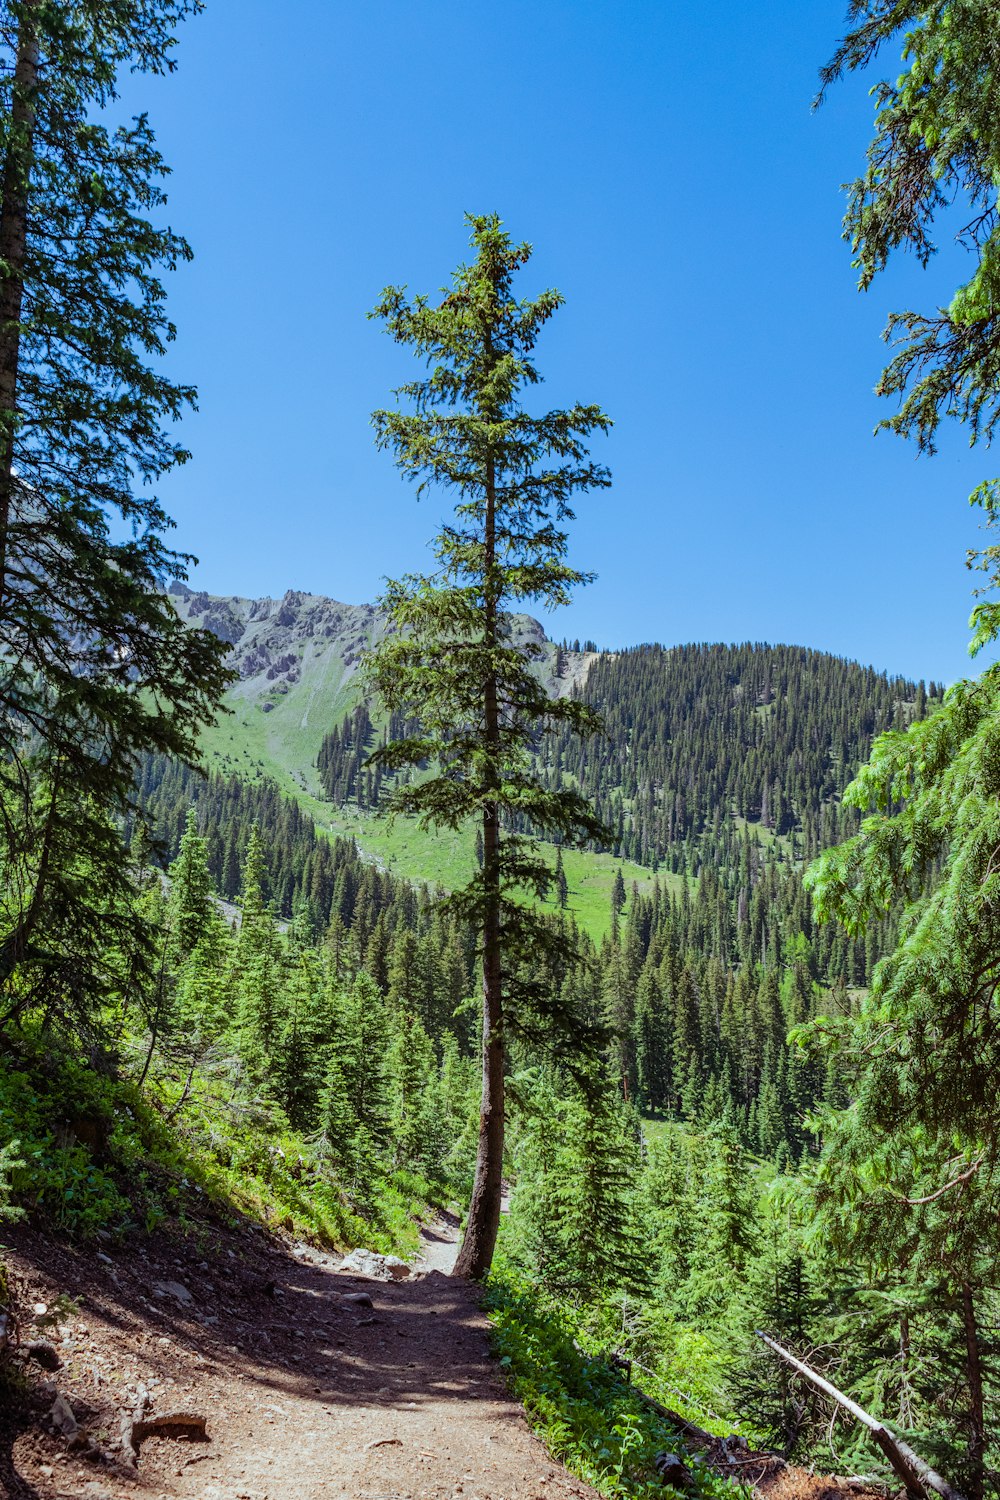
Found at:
[697, 736]
[664, 977]
[725, 766]
[694, 738]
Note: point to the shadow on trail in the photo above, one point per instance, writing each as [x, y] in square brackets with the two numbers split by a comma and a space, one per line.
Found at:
[13, 1422]
[258, 1310]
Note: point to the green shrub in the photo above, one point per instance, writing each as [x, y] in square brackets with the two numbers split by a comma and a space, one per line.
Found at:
[9, 1161]
[587, 1415]
[195, 1148]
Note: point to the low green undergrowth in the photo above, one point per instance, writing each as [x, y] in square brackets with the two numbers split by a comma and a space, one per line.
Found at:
[587, 1415]
[97, 1154]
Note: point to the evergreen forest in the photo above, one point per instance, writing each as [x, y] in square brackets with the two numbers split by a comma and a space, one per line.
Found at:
[682, 1002]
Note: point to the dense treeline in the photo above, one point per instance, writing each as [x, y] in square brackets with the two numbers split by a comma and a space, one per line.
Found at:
[693, 738]
[700, 981]
[304, 867]
[702, 1004]
[701, 733]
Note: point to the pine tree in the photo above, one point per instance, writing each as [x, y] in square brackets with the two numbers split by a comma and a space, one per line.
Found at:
[413, 1070]
[451, 663]
[190, 905]
[259, 963]
[562, 884]
[575, 1213]
[97, 668]
[355, 1106]
[935, 146]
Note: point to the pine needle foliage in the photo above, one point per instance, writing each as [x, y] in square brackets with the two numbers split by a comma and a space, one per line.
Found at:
[909, 1176]
[936, 145]
[927, 1033]
[452, 662]
[96, 668]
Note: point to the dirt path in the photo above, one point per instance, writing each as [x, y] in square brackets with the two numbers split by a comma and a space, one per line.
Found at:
[308, 1395]
[438, 1245]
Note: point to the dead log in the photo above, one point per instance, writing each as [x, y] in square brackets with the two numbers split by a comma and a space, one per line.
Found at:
[174, 1424]
[918, 1477]
[691, 1430]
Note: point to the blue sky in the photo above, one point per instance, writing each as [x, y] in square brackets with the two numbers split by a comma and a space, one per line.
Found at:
[665, 162]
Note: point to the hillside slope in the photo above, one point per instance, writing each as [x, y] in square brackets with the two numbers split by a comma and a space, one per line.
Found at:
[702, 744]
[297, 659]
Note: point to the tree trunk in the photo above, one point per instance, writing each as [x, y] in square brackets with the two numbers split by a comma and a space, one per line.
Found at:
[483, 1223]
[918, 1477]
[974, 1375]
[13, 243]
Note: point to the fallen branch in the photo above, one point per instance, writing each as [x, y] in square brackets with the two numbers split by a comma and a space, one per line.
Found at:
[918, 1477]
[954, 1183]
[686, 1429]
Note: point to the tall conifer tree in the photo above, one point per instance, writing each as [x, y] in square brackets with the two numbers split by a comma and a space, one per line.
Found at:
[96, 666]
[453, 661]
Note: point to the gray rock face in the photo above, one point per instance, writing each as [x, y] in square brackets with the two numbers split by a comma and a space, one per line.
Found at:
[173, 1289]
[62, 1418]
[302, 633]
[375, 1267]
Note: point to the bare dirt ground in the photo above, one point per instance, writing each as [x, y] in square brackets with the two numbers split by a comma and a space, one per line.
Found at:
[306, 1394]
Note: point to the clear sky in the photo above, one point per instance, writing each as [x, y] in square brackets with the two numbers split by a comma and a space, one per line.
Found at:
[665, 162]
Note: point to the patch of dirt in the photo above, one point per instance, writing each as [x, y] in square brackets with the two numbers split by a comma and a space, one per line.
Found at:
[307, 1394]
[790, 1482]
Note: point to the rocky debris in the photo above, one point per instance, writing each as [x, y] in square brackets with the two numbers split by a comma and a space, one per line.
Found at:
[173, 1289]
[4, 1330]
[375, 1267]
[62, 1417]
[314, 1257]
[356, 1299]
[129, 1422]
[673, 1471]
[44, 1354]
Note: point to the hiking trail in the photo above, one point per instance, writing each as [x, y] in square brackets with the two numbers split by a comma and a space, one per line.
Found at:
[315, 1384]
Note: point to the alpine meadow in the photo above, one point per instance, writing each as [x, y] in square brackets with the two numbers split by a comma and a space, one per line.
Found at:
[444, 1053]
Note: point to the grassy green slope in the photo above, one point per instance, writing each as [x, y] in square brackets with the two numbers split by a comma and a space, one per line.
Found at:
[276, 724]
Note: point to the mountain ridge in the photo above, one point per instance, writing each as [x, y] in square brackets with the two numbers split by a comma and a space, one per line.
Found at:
[703, 743]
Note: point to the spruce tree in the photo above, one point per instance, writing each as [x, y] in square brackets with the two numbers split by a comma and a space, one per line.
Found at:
[97, 668]
[259, 964]
[355, 1105]
[452, 662]
[936, 150]
[190, 905]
